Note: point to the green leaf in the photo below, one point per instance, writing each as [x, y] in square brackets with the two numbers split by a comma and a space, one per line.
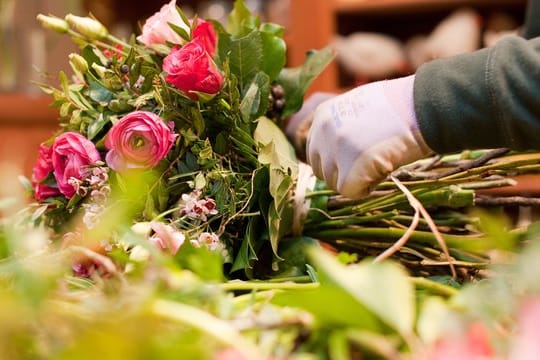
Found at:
[273, 54]
[272, 28]
[207, 264]
[276, 150]
[95, 127]
[246, 57]
[98, 92]
[255, 100]
[240, 21]
[383, 288]
[297, 80]
[331, 306]
[180, 31]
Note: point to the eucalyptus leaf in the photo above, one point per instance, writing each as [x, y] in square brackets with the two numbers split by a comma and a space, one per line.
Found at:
[98, 92]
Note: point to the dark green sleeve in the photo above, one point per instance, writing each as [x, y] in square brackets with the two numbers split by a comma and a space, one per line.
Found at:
[486, 99]
[531, 27]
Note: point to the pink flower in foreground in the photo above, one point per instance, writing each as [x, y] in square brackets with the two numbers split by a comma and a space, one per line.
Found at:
[71, 153]
[472, 345]
[205, 34]
[191, 69]
[166, 237]
[140, 140]
[41, 170]
[526, 343]
[156, 29]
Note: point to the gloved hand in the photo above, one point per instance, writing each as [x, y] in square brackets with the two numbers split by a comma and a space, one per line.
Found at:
[297, 127]
[358, 138]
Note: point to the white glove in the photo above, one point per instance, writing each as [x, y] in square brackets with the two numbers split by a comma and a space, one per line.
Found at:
[358, 138]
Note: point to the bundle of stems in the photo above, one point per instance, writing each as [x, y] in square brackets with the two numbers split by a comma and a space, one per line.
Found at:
[423, 214]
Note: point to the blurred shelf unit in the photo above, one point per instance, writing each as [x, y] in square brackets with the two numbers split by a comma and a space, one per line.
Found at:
[313, 24]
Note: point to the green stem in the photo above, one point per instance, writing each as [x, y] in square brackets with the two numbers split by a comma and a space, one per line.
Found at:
[433, 286]
[340, 223]
[391, 235]
[207, 324]
[237, 285]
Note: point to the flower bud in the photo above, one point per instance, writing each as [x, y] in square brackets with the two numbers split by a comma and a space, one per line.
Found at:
[53, 23]
[100, 70]
[88, 27]
[78, 62]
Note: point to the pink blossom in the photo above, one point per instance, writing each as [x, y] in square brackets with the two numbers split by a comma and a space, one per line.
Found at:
[42, 169]
[140, 140]
[71, 153]
[210, 240]
[191, 69]
[156, 29]
[166, 237]
[195, 208]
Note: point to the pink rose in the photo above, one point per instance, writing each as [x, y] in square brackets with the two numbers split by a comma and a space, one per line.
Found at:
[71, 152]
[205, 33]
[140, 140]
[40, 172]
[156, 29]
[190, 68]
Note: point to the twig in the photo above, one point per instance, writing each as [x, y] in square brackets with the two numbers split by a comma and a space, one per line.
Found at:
[420, 208]
[484, 200]
[402, 240]
[473, 163]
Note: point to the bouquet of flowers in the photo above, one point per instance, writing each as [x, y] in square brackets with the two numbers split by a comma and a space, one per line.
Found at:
[176, 131]
[175, 135]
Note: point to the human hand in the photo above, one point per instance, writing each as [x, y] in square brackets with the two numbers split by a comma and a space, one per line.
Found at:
[358, 138]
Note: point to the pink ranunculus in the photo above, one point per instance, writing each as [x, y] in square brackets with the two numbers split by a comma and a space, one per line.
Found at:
[140, 140]
[71, 152]
[156, 29]
[191, 69]
[205, 33]
[41, 170]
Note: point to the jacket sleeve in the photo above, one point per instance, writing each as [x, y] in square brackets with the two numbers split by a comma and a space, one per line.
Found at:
[486, 99]
[531, 27]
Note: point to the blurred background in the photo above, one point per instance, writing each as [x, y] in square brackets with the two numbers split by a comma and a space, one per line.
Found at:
[374, 39]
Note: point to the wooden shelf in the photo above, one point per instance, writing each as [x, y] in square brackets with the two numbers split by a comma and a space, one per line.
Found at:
[314, 23]
[394, 6]
[26, 110]
[25, 122]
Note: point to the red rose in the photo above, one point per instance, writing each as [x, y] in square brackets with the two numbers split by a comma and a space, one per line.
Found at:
[140, 140]
[41, 170]
[71, 152]
[191, 68]
[205, 33]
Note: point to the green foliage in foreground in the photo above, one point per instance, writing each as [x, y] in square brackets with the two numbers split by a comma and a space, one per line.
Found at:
[165, 306]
